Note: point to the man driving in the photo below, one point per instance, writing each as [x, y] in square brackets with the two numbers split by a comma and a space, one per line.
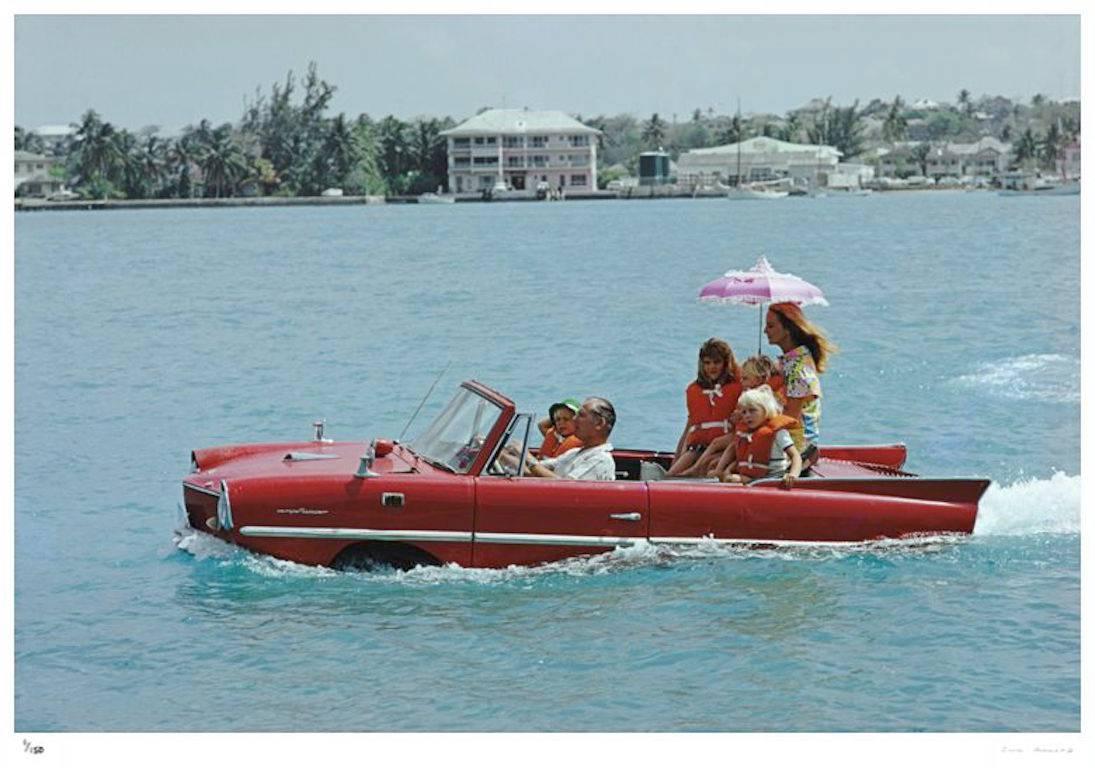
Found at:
[593, 461]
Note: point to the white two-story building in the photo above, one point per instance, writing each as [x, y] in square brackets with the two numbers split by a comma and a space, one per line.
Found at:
[522, 149]
[760, 158]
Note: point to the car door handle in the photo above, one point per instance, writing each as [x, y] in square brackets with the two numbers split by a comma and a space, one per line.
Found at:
[626, 516]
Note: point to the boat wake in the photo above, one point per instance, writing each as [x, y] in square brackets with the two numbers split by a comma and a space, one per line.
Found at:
[1043, 378]
[1029, 507]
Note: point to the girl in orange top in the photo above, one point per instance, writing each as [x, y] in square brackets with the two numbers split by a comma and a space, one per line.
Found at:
[558, 429]
[710, 400]
[757, 370]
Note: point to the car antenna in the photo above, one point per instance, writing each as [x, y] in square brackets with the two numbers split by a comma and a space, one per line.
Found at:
[427, 397]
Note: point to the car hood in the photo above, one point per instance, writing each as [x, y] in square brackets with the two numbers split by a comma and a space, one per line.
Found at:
[254, 460]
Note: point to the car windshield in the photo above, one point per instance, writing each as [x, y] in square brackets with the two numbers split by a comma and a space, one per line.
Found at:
[458, 433]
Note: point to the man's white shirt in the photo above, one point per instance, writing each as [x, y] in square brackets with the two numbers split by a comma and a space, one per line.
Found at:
[594, 463]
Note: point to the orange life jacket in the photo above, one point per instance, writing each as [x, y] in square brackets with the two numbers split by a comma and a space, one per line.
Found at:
[552, 447]
[709, 411]
[754, 449]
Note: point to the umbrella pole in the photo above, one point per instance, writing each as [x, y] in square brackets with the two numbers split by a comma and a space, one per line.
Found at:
[760, 326]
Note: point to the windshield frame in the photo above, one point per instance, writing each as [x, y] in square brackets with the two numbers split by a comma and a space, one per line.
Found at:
[492, 437]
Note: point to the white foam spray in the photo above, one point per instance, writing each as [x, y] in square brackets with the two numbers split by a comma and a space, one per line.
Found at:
[1032, 506]
[1043, 378]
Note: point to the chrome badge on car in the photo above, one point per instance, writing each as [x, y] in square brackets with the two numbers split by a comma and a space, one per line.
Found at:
[302, 511]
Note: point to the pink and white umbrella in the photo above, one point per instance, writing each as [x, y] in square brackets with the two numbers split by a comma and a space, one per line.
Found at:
[759, 286]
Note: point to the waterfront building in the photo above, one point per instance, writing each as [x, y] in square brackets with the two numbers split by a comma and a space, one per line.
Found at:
[760, 158]
[32, 175]
[522, 150]
[988, 157]
[654, 168]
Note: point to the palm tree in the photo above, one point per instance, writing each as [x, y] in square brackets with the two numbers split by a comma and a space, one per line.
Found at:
[819, 132]
[791, 127]
[95, 151]
[733, 133]
[130, 174]
[920, 154]
[653, 134]
[1051, 146]
[1027, 147]
[181, 157]
[895, 125]
[964, 101]
[222, 161]
[153, 160]
[339, 150]
[394, 158]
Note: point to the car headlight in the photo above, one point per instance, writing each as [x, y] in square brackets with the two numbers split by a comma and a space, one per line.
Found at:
[224, 508]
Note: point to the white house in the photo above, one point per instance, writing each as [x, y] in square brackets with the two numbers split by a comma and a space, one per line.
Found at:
[522, 148]
[761, 158]
[32, 175]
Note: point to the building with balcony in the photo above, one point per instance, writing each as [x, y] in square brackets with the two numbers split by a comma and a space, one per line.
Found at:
[32, 175]
[522, 149]
[987, 158]
[760, 158]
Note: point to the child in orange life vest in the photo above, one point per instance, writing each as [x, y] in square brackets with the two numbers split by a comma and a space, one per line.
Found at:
[558, 429]
[757, 370]
[763, 447]
[710, 400]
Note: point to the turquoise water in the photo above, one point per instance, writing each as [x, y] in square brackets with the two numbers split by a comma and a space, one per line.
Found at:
[141, 335]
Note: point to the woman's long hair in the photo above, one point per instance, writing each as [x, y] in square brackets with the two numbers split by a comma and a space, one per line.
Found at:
[720, 350]
[805, 333]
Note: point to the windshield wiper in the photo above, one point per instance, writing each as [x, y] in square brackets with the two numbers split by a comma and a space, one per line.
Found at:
[438, 463]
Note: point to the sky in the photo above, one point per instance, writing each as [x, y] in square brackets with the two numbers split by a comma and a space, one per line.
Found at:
[171, 71]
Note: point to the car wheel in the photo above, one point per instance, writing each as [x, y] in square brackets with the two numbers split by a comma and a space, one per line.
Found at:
[382, 555]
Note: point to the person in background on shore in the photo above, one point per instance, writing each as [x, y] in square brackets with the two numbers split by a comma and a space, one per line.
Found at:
[806, 350]
[710, 400]
[558, 429]
[756, 371]
[762, 447]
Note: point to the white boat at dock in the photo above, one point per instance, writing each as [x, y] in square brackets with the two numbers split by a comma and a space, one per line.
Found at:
[1016, 184]
[433, 198]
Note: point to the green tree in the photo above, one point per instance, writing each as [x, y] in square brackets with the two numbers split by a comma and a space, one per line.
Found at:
[394, 157]
[895, 125]
[1026, 150]
[653, 135]
[95, 152]
[291, 135]
[964, 102]
[222, 162]
[429, 152]
[128, 170]
[365, 177]
[28, 141]
[734, 132]
[1052, 145]
[791, 127]
[920, 155]
[182, 158]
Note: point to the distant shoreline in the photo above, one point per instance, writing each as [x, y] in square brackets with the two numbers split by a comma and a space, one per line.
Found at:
[638, 193]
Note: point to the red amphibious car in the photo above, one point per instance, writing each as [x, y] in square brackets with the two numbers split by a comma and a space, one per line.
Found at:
[444, 498]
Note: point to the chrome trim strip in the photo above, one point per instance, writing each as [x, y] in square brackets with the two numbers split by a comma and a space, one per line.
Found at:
[374, 534]
[200, 489]
[771, 542]
[557, 539]
[528, 539]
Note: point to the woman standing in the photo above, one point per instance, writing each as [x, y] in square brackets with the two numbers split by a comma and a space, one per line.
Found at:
[806, 351]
